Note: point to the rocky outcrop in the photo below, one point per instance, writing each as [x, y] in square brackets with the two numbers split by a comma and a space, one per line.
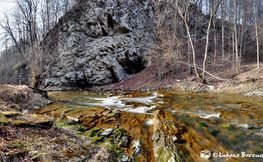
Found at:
[164, 139]
[100, 42]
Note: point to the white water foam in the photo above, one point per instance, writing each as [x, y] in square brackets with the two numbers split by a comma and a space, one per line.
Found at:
[243, 125]
[149, 122]
[119, 103]
[109, 101]
[140, 110]
[205, 115]
[145, 100]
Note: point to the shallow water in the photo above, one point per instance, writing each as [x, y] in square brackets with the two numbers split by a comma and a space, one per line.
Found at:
[230, 123]
[234, 120]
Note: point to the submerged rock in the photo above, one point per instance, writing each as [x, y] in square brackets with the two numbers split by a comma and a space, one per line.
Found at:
[164, 147]
[123, 141]
[107, 132]
[120, 137]
[72, 120]
[124, 158]
[137, 147]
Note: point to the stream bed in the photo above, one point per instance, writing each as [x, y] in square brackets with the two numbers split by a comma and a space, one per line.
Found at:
[203, 126]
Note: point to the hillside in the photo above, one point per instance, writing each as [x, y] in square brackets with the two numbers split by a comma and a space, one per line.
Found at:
[98, 43]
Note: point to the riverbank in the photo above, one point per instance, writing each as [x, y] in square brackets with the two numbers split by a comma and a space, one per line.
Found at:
[22, 98]
[26, 136]
[249, 81]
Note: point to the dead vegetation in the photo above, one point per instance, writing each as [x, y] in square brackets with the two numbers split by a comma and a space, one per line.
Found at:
[20, 98]
[249, 80]
[33, 137]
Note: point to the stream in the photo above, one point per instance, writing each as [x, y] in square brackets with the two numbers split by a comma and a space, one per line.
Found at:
[217, 126]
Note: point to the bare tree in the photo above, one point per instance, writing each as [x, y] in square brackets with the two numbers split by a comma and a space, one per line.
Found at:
[237, 62]
[256, 28]
[213, 12]
[185, 9]
[10, 32]
[6, 58]
[24, 33]
[223, 6]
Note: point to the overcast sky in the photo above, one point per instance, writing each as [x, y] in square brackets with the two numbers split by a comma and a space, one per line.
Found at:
[5, 7]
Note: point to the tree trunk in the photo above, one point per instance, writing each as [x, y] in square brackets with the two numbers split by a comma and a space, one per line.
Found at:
[48, 15]
[189, 57]
[36, 81]
[213, 12]
[256, 27]
[214, 23]
[189, 36]
[233, 48]
[236, 39]
[223, 30]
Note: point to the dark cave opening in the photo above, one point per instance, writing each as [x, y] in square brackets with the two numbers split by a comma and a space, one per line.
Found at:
[115, 79]
[133, 67]
[83, 83]
[110, 21]
[104, 32]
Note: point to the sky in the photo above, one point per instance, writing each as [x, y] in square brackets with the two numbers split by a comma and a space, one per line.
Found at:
[5, 7]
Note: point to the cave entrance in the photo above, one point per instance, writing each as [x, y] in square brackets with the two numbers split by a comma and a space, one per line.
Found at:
[110, 21]
[114, 77]
[104, 32]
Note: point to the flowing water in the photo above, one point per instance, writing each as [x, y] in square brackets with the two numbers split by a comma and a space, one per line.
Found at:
[224, 124]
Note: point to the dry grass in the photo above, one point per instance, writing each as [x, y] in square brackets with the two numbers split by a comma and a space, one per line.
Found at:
[19, 98]
[35, 144]
[250, 79]
[34, 137]
[23, 138]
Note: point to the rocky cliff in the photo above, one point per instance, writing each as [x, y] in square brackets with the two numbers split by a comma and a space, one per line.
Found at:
[100, 42]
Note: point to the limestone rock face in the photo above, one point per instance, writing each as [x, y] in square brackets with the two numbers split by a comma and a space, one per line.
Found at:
[100, 42]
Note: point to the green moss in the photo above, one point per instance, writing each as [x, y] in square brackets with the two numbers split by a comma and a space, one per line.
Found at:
[94, 135]
[98, 138]
[3, 119]
[201, 125]
[163, 154]
[166, 155]
[243, 134]
[94, 132]
[193, 119]
[113, 150]
[10, 114]
[119, 133]
[16, 67]
[62, 125]
[229, 128]
[186, 123]
[78, 127]
[114, 114]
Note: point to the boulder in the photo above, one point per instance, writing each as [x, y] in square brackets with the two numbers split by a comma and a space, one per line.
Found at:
[101, 42]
